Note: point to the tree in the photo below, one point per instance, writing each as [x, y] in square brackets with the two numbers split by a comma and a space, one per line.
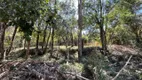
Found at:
[67, 24]
[96, 11]
[38, 30]
[80, 25]
[135, 21]
[5, 17]
[2, 33]
[26, 14]
[124, 13]
[11, 43]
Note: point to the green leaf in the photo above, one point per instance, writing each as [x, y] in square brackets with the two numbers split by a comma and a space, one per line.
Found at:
[47, 1]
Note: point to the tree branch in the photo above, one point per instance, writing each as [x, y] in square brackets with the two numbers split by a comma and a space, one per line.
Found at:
[3, 74]
[122, 68]
[77, 75]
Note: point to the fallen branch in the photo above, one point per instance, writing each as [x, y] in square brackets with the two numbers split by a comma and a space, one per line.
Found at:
[35, 72]
[3, 74]
[44, 77]
[122, 68]
[77, 75]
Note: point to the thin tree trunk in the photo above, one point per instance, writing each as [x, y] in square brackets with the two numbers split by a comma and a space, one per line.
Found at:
[24, 44]
[52, 42]
[11, 44]
[2, 35]
[37, 44]
[44, 37]
[53, 27]
[105, 32]
[21, 42]
[82, 44]
[102, 32]
[67, 48]
[103, 40]
[67, 45]
[28, 49]
[80, 29]
[44, 51]
[37, 41]
[72, 42]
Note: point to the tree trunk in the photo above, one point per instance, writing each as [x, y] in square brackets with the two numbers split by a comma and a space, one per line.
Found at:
[102, 32]
[44, 51]
[53, 27]
[44, 37]
[82, 44]
[67, 45]
[2, 35]
[11, 44]
[72, 42]
[103, 39]
[24, 44]
[37, 41]
[37, 44]
[28, 49]
[21, 42]
[52, 42]
[67, 48]
[80, 29]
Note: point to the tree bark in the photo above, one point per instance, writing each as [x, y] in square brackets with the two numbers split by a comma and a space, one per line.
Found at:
[2, 35]
[102, 32]
[24, 44]
[37, 41]
[79, 29]
[47, 40]
[67, 45]
[52, 42]
[44, 37]
[28, 49]
[72, 42]
[103, 40]
[11, 44]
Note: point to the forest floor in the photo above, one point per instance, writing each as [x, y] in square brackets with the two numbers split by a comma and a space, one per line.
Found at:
[126, 61]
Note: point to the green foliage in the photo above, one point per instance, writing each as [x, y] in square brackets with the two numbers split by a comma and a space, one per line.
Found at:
[22, 13]
[26, 28]
[120, 35]
[77, 68]
[97, 64]
[140, 76]
[121, 19]
[122, 11]
[5, 10]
